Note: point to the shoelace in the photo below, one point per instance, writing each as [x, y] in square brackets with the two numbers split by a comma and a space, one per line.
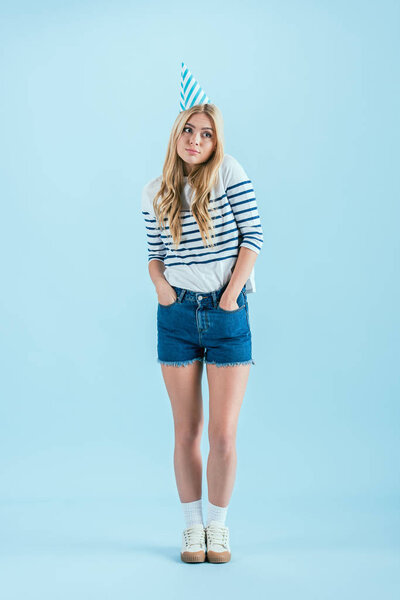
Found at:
[194, 536]
[217, 535]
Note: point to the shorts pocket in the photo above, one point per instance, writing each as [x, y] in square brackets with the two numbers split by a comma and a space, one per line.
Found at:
[241, 300]
[168, 305]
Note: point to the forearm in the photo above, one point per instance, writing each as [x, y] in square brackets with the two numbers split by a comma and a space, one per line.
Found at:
[156, 272]
[243, 267]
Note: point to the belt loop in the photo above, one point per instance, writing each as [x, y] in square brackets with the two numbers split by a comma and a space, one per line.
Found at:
[180, 298]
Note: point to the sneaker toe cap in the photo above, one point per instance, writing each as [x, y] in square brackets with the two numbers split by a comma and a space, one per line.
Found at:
[218, 557]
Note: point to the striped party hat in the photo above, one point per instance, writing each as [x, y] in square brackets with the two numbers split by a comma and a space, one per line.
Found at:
[191, 91]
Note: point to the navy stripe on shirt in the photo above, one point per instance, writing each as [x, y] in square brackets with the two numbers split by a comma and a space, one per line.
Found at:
[248, 230]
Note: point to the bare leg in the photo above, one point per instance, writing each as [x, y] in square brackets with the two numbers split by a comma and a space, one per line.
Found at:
[227, 386]
[184, 390]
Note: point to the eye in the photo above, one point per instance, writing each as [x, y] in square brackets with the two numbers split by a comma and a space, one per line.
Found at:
[208, 133]
[184, 129]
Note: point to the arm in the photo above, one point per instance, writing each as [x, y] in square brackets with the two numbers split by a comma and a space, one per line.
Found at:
[165, 292]
[156, 252]
[243, 267]
[241, 195]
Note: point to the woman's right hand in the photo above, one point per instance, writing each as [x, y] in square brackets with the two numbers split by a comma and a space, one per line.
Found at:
[165, 293]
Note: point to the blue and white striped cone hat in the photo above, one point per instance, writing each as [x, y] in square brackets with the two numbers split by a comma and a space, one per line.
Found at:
[191, 91]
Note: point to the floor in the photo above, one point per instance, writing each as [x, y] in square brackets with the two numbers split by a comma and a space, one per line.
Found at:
[129, 548]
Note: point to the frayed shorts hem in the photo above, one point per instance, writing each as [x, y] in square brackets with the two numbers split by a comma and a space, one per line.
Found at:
[208, 362]
[181, 363]
[231, 364]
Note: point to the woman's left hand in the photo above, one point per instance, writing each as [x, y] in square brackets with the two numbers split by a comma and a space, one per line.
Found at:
[227, 303]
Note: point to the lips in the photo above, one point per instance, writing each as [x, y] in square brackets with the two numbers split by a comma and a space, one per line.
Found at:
[192, 151]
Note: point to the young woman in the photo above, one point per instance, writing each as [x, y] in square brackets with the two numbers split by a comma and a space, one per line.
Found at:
[204, 234]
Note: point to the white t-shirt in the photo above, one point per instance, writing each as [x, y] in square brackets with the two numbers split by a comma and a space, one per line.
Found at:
[233, 208]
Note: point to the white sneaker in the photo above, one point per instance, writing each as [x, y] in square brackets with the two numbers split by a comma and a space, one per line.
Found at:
[218, 550]
[194, 544]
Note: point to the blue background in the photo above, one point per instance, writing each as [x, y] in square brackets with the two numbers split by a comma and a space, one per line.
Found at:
[309, 92]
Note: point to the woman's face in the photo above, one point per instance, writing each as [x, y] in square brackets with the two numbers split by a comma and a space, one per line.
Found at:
[197, 141]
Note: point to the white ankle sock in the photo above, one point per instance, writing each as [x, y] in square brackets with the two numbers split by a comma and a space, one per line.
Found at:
[216, 513]
[193, 512]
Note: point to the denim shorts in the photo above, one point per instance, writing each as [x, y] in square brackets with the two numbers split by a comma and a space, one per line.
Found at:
[194, 327]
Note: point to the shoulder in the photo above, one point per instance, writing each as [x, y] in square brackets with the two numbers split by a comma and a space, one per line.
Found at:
[232, 171]
[229, 160]
[148, 193]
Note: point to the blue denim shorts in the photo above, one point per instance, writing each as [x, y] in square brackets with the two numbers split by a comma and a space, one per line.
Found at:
[194, 327]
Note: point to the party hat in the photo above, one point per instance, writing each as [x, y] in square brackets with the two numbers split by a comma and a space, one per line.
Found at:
[191, 91]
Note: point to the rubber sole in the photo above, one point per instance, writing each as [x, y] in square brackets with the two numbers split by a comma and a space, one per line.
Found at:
[218, 557]
[193, 557]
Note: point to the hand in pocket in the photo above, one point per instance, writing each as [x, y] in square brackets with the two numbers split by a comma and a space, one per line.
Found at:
[166, 294]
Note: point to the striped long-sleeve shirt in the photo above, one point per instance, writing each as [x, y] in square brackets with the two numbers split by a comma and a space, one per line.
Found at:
[234, 211]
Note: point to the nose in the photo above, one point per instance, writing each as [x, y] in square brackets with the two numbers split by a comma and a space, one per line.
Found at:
[194, 138]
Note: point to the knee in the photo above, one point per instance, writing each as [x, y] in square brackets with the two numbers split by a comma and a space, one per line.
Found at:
[221, 441]
[188, 435]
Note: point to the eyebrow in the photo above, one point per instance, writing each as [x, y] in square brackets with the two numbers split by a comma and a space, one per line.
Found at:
[202, 127]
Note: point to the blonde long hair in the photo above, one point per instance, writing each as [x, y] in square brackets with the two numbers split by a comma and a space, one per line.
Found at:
[201, 178]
